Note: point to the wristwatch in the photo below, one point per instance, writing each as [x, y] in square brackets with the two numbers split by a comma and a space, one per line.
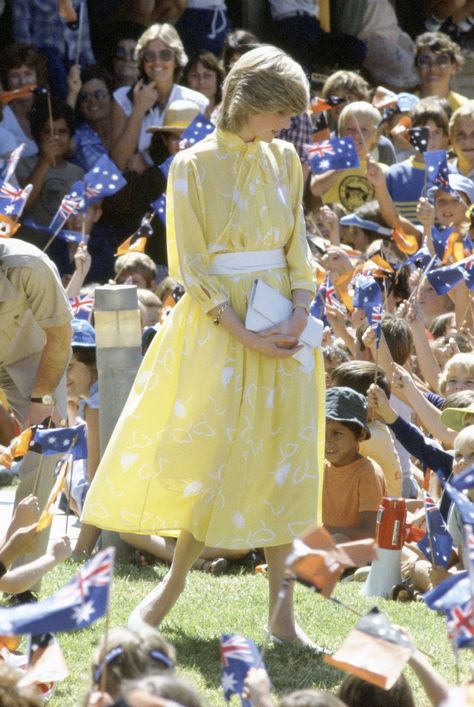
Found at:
[43, 399]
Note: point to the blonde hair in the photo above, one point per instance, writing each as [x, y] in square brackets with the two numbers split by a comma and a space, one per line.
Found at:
[464, 361]
[168, 36]
[131, 655]
[264, 79]
[359, 110]
[464, 111]
[347, 81]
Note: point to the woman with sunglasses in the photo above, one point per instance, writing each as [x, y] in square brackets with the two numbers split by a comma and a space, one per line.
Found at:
[93, 106]
[161, 59]
[437, 60]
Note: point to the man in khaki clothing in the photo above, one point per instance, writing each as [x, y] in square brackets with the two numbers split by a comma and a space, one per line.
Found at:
[35, 341]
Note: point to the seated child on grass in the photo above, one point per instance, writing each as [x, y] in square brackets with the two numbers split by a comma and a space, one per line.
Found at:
[353, 485]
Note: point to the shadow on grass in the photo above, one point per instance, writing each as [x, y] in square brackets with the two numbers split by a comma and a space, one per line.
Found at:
[290, 668]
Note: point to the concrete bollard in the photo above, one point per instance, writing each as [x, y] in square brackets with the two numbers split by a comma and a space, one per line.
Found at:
[119, 355]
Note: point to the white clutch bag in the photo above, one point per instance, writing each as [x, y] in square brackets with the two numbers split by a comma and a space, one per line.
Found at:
[267, 306]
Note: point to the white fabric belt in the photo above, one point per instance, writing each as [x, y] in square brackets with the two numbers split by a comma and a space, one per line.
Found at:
[247, 261]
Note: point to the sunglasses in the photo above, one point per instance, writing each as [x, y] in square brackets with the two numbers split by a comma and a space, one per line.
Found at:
[440, 60]
[99, 94]
[123, 54]
[150, 56]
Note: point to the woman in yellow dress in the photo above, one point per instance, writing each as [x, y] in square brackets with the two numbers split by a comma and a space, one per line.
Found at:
[218, 441]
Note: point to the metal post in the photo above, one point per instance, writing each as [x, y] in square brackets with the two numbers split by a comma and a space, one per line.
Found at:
[119, 354]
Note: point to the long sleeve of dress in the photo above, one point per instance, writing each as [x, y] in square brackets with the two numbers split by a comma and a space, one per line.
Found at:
[188, 257]
[297, 249]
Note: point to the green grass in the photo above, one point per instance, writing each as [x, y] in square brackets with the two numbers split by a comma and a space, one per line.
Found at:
[236, 602]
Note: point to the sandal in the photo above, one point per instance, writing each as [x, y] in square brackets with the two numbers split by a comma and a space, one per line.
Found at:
[216, 567]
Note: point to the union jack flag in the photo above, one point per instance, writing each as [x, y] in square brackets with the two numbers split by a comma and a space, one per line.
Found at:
[10, 191]
[329, 292]
[319, 149]
[235, 647]
[71, 204]
[460, 623]
[82, 307]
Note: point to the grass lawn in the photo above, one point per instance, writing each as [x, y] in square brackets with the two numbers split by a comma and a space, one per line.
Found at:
[236, 602]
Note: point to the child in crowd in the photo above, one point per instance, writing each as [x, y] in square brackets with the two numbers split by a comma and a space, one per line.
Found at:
[135, 269]
[129, 655]
[50, 172]
[350, 187]
[353, 485]
[461, 134]
[406, 181]
[379, 447]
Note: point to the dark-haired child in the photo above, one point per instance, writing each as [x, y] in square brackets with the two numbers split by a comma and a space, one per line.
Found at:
[50, 172]
[353, 485]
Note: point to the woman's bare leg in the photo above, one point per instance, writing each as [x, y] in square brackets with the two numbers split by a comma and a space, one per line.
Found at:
[154, 607]
[282, 623]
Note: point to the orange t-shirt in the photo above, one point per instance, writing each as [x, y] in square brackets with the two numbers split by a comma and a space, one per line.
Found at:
[350, 490]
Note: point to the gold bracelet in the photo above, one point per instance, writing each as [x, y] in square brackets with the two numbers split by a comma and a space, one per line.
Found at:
[220, 310]
[303, 306]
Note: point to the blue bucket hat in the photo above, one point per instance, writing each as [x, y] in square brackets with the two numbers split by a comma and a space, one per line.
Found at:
[83, 334]
[347, 405]
[355, 220]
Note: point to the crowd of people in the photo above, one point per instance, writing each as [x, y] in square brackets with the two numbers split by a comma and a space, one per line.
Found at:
[378, 247]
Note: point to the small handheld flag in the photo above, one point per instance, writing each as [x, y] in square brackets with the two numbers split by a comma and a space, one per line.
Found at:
[238, 655]
[338, 153]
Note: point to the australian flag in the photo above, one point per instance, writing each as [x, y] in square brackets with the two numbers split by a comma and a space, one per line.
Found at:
[196, 131]
[420, 259]
[465, 480]
[453, 597]
[71, 204]
[368, 296]
[338, 153]
[436, 164]
[104, 179]
[418, 138]
[61, 440]
[159, 205]
[13, 199]
[445, 278]
[437, 535]
[82, 307]
[440, 237]
[81, 602]
[462, 503]
[238, 655]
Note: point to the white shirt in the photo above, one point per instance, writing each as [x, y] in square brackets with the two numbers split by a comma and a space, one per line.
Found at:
[155, 116]
[293, 7]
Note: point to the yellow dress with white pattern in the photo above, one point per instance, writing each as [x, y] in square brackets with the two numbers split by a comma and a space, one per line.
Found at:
[216, 438]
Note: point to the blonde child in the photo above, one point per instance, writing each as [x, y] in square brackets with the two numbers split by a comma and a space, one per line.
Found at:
[461, 134]
[350, 187]
[458, 374]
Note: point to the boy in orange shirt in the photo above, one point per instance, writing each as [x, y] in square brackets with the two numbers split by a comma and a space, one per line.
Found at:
[353, 485]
